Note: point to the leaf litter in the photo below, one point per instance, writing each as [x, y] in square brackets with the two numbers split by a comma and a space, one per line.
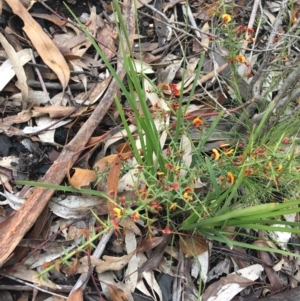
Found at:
[52, 115]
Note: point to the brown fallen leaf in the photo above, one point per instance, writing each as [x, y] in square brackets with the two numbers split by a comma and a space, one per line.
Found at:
[276, 284]
[149, 243]
[54, 111]
[192, 246]
[113, 182]
[82, 177]
[77, 295]
[108, 37]
[46, 48]
[23, 116]
[103, 164]
[117, 294]
[53, 18]
[129, 225]
[155, 258]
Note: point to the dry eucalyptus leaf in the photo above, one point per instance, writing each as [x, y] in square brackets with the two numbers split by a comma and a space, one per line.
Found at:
[18, 67]
[227, 287]
[110, 263]
[82, 177]
[7, 67]
[77, 295]
[116, 293]
[54, 111]
[77, 207]
[109, 278]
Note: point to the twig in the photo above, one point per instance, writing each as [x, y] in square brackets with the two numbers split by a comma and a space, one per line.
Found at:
[187, 11]
[170, 25]
[8, 287]
[250, 25]
[35, 286]
[38, 72]
[214, 99]
[255, 85]
[67, 115]
[281, 100]
[292, 113]
[227, 111]
[58, 86]
[84, 277]
[257, 78]
[35, 65]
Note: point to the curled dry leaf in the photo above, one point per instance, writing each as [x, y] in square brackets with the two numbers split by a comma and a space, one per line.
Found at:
[23, 116]
[76, 207]
[82, 177]
[42, 43]
[104, 163]
[109, 278]
[12, 200]
[110, 263]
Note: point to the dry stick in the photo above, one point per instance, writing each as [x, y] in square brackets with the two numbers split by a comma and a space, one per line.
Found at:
[34, 286]
[38, 73]
[281, 100]
[257, 78]
[57, 86]
[250, 26]
[15, 227]
[227, 111]
[188, 12]
[256, 81]
[289, 82]
[84, 277]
